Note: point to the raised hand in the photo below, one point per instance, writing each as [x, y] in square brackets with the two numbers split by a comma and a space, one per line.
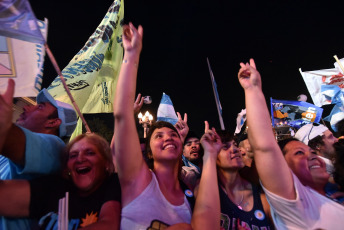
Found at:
[132, 38]
[138, 103]
[182, 126]
[211, 142]
[249, 76]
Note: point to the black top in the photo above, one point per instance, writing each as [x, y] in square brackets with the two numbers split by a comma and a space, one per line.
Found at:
[231, 214]
[46, 192]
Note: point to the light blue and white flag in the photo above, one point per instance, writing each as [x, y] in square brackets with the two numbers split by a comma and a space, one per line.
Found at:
[166, 110]
[335, 116]
[18, 21]
[241, 118]
[216, 94]
[326, 86]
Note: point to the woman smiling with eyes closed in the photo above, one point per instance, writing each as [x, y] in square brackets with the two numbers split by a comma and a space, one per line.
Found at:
[294, 184]
[94, 190]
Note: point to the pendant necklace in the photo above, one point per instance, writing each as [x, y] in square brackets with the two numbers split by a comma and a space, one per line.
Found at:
[242, 196]
[242, 199]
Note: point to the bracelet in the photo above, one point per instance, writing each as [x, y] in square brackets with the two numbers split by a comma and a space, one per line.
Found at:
[125, 61]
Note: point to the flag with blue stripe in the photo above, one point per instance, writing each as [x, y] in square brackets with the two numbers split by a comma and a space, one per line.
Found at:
[216, 94]
[166, 110]
[335, 116]
[18, 21]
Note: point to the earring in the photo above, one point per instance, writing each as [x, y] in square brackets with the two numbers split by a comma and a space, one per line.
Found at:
[69, 173]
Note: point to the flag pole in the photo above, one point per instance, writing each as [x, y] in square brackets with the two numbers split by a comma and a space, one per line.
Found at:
[217, 100]
[339, 63]
[57, 68]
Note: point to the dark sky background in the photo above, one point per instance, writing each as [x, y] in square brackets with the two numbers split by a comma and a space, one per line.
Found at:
[281, 36]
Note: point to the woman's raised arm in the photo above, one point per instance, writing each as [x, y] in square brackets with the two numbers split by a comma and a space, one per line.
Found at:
[132, 170]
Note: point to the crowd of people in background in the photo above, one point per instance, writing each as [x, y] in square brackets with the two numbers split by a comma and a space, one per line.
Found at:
[174, 178]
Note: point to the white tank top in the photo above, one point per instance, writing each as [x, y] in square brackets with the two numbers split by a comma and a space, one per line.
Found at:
[152, 205]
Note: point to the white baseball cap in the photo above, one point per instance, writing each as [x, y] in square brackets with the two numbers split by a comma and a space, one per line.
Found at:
[310, 131]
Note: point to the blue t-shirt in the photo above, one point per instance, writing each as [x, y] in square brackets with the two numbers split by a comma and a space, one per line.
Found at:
[42, 156]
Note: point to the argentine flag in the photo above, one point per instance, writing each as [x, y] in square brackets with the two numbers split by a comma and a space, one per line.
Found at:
[166, 110]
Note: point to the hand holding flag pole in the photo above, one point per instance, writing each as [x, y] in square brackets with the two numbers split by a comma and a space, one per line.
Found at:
[19, 21]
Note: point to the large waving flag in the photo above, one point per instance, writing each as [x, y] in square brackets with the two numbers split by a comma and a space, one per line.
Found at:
[327, 87]
[294, 113]
[92, 74]
[18, 21]
[23, 62]
[166, 110]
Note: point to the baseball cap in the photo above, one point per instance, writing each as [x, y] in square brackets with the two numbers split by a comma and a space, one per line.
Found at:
[310, 131]
[65, 112]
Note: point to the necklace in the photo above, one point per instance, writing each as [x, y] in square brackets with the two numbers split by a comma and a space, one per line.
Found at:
[242, 199]
[242, 196]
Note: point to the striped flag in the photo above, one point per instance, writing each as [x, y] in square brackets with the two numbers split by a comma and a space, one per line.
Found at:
[92, 74]
[166, 110]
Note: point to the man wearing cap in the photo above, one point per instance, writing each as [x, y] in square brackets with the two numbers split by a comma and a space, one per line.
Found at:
[33, 145]
[321, 139]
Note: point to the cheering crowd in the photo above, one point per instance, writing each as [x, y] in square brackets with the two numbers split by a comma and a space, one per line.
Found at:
[180, 180]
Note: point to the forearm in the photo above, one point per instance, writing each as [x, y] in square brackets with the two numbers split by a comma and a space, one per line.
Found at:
[126, 86]
[260, 132]
[206, 213]
[109, 217]
[126, 140]
[14, 198]
[14, 145]
[271, 165]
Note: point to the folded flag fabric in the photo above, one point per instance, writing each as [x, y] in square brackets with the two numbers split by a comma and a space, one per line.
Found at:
[23, 62]
[17, 20]
[166, 110]
[335, 116]
[241, 118]
[294, 113]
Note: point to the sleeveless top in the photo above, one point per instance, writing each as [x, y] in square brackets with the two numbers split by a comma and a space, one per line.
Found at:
[151, 210]
[231, 215]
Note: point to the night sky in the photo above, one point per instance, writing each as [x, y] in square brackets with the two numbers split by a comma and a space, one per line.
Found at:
[282, 36]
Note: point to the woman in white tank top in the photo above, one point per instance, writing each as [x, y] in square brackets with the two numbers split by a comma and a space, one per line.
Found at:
[154, 197]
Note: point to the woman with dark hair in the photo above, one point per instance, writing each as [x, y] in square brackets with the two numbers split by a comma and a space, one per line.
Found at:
[242, 203]
[153, 197]
[94, 190]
